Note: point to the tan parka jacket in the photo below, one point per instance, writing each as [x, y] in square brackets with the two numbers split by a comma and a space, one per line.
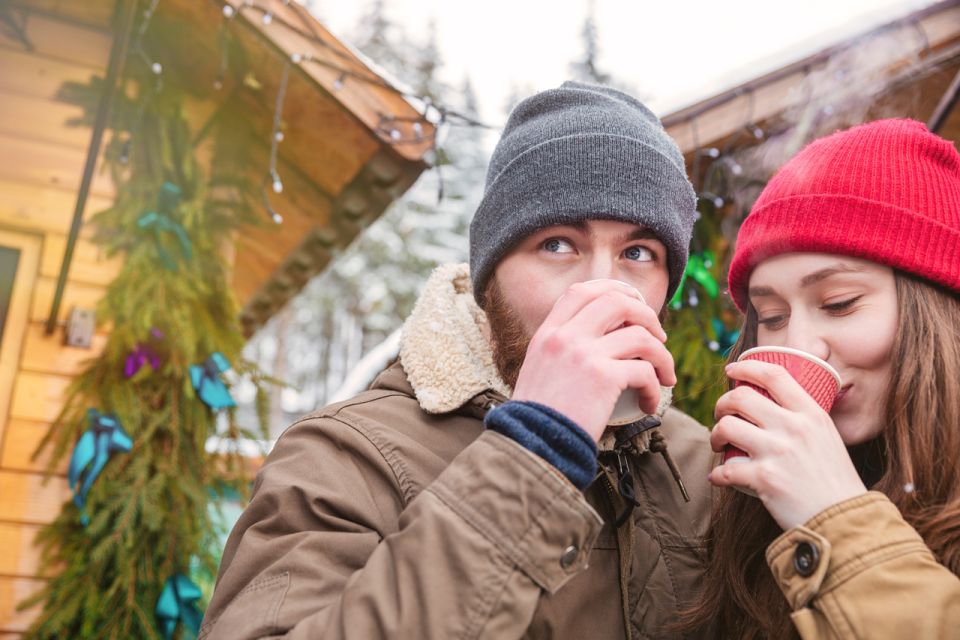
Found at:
[396, 515]
[858, 570]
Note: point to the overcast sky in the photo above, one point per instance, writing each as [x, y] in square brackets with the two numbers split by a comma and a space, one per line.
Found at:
[673, 52]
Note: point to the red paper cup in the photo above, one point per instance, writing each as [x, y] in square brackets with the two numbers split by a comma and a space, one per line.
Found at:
[816, 376]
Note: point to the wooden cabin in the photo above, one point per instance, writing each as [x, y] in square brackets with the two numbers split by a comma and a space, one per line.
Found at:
[341, 167]
[904, 69]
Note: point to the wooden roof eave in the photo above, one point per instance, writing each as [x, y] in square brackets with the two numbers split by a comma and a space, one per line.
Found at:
[936, 37]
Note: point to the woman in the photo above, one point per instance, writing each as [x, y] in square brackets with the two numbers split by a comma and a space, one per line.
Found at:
[852, 253]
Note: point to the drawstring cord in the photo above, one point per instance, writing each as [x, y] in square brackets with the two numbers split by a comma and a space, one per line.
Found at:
[626, 439]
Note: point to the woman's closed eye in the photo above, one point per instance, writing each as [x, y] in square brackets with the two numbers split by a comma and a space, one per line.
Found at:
[841, 306]
[773, 321]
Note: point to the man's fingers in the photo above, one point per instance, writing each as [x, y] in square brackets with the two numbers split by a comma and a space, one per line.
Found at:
[580, 295]
[636, 343]
[642, 377]
[612, 310]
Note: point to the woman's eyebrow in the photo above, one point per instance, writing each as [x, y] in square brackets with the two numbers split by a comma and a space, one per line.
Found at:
[823, 274]
[807, 280]
[761, 292]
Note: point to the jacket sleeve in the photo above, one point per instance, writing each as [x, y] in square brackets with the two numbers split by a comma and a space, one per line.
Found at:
[859, 570]
[326, 548]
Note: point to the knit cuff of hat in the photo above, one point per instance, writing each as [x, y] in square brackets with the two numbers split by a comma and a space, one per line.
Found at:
[549, 434]
[583, 177]
[847, 225]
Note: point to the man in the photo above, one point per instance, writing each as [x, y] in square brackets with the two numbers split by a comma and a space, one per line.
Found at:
[397, 514]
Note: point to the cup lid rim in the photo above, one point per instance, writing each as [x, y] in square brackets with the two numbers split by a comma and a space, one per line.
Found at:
[796, 352]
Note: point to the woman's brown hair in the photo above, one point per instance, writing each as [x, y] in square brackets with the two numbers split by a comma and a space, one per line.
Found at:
[920, 450]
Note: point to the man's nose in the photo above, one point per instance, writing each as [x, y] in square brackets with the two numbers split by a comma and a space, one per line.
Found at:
[603, 266]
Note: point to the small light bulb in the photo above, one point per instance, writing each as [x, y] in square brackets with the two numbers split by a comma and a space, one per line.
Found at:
[908, 488]
[277, 218]
[278, 136]
[714, 345]
[157, 68]
[296, 58]
[227, 11]
[267, 18]
[277, 186]
[395, 134]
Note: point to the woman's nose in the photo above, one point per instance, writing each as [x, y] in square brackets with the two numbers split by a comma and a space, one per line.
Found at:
[805, 337]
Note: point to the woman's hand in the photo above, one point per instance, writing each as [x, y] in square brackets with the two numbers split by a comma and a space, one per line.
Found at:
[798, 463]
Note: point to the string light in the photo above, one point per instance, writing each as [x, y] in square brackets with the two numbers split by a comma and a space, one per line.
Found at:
[347, 68]
[276, 137]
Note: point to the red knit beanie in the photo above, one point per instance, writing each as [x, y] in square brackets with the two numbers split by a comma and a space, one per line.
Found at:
[887, 191]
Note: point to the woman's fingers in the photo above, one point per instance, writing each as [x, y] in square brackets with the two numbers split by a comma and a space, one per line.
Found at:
[776, 380]
[742, 474]
[734, 430]
[752, 406]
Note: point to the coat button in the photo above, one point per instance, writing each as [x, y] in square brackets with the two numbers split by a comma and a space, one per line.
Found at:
[806, 557]
[569, 557]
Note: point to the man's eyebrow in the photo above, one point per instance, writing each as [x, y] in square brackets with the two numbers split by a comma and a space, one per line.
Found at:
[638, 233]
[807, 280]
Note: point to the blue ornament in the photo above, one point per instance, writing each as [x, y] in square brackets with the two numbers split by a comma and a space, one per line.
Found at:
[206, 380]
[178, 601]
[104, 437]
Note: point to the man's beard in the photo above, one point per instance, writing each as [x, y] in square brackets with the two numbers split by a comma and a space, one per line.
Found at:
[508, 337]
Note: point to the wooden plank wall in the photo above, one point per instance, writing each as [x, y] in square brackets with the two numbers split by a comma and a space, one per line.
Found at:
[41, 162]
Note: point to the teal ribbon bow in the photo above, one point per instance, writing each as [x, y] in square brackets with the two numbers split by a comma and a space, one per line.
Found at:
[206, 380]
[177, 602]
[161, 222]
[104, 437]
[698, 268]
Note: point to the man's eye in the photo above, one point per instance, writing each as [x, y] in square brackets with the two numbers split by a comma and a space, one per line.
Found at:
[638, 253]
[557, 245]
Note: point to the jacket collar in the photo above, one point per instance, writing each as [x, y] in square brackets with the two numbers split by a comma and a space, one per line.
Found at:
[447, 360]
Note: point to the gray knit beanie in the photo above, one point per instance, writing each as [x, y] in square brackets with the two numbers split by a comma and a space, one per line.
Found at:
[575, 153]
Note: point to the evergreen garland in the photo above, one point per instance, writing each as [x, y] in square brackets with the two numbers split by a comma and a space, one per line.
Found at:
[150, 524]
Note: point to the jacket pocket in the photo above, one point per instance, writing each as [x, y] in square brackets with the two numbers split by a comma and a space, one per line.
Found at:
[239, 620]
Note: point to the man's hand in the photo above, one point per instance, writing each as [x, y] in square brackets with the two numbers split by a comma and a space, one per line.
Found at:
[599, 339]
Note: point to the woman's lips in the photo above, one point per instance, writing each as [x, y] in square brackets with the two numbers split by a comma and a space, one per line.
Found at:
[842, 393]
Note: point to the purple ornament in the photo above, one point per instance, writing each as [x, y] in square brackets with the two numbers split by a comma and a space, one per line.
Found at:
[142, 354]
